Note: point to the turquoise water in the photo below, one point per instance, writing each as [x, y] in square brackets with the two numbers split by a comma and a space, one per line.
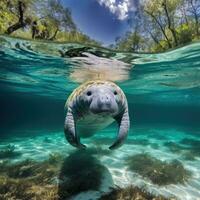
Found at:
[163, 92]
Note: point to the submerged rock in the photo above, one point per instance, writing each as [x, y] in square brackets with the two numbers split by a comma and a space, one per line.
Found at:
[80, 172]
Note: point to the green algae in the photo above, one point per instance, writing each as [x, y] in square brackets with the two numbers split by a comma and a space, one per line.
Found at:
[28, 179]
[132, 193]
[56, 178]
[159, 172]
[173, 147]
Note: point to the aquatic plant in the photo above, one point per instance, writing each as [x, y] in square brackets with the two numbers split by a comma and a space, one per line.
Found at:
[159, 172]
[21, 170]
[132, 193]
[9, 152]
[55, 157]
[29, 179]
[25, 189]
[37, 172]
[173, 147]
[14, 189]
[189, 141]
[188, 156]
[192, 145]
[189, 148]
[52, 178]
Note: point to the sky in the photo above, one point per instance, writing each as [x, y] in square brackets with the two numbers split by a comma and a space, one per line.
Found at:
[102, 20]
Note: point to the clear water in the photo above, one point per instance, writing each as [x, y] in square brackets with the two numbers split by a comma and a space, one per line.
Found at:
[163, 92]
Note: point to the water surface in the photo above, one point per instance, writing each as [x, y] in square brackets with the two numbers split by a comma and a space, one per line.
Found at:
[163, 92]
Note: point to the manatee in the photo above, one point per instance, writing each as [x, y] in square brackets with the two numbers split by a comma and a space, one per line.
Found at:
[93, 106]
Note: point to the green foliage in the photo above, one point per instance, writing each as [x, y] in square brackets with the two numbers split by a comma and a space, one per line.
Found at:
[160, 25]
[75, 37]
[48, 20]
[131, 42]
[55, 17]
[159, 172]
[184, 33]
[6, 17]
[164, 24]
[162, 46]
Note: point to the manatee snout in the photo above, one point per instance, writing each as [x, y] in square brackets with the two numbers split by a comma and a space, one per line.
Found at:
[104, 103]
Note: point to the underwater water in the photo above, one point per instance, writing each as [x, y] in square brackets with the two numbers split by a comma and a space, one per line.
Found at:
[161, 153]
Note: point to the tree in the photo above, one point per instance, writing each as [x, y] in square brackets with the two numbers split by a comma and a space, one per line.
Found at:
[183, 9]
[194, 9]
[6, 16]
[18, 8]
[154, 10]
[184, 33]
[169, 8]
[163, 24]
[132, 41]
[44, 17]
[164, 14]
[55, 17]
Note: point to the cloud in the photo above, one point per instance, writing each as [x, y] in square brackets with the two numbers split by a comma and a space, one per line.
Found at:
[120, 8]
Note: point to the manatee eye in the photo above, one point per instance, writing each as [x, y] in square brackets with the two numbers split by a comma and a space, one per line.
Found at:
[115, 92]
[89, 93]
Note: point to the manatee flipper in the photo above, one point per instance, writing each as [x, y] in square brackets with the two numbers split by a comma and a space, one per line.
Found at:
[124, 123]
[70, 130]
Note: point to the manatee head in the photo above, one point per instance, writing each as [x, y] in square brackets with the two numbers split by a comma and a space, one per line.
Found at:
[100, 98]
[103, 98]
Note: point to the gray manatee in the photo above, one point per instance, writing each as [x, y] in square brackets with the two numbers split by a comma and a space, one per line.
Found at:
[93, 106]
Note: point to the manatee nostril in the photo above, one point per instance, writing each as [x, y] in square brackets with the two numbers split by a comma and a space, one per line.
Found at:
[105, 99]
